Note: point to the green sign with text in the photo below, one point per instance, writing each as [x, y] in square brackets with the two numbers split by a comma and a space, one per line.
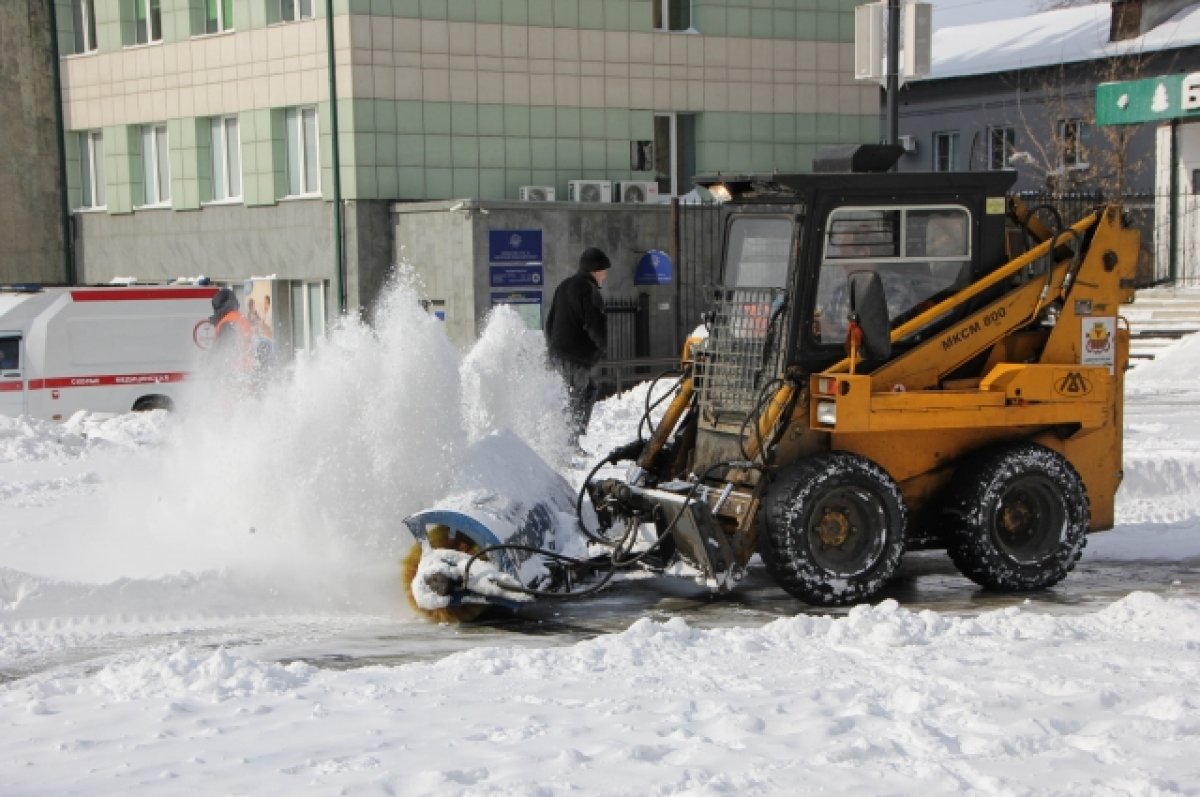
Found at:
[1149, 100]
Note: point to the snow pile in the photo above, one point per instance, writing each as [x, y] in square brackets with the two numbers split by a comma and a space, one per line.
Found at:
[25, 439]
[883, 701]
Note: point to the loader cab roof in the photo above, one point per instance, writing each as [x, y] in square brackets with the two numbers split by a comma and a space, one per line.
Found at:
[781, 188]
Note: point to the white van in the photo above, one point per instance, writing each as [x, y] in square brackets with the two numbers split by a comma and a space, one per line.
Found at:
[106, 349]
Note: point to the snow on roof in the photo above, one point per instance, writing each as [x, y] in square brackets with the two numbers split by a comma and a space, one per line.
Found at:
[1064, 36]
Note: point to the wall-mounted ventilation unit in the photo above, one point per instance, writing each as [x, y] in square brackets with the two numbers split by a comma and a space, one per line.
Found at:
[907, 143]
[589, 190]
[637, 191]
[536, 193]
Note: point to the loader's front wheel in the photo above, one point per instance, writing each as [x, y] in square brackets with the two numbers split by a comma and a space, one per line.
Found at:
[833, 529]
[1019, 515]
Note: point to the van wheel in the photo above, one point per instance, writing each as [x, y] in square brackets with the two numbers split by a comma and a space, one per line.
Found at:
[147, 403]
[833, 529]
[1018, 518]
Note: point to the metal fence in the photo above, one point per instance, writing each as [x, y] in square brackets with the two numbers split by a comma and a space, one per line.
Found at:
[1139, 209]
[696, 255]
[697, 240]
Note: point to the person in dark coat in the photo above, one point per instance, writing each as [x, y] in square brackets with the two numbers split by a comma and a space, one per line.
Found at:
[577, 334]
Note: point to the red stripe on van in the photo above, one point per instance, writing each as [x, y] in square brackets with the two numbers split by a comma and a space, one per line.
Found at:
[11, 387]
[141, 294]
[107, 380]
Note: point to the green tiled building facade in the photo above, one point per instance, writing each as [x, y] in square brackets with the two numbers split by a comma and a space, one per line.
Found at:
[435, 99]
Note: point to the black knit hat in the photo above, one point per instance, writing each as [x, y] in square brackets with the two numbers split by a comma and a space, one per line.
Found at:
[594, 259]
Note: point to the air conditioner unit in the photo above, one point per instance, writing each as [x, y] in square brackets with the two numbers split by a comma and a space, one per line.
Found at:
[907, 143]
[637, 191]
[536, 193]
[589, 191]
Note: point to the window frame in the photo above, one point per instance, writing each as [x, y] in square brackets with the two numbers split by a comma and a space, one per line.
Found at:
[1072, 151]
[954, 138]
[1008, 146]
[908, 254]
[298, 14]
[93, 194]
[83, 14]
[219, 159]
[670, 153]
[300, 148]
[152, 165]
[220, 23]
[662, 11]
[145, 26]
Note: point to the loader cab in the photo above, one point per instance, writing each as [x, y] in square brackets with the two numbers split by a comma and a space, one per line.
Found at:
[792, 241]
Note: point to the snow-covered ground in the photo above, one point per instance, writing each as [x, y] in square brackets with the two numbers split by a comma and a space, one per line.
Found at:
[149, 563]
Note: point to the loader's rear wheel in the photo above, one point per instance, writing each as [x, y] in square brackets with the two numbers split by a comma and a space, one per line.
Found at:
[1019, 516]
[441, 537]
[833, 529]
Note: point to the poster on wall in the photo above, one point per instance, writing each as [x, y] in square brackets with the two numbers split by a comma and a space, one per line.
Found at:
[514, 246]
[259, 310]
[528, 305]
[516, 275]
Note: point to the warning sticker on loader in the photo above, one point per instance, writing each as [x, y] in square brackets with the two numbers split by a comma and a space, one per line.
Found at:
[1098, 345]
[1072, 384]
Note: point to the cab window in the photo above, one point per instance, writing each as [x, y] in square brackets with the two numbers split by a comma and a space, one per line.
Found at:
[922, 255]
[758, 253]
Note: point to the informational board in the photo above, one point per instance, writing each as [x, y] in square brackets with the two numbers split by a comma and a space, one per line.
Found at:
[528, 305]
[516, 275]
[514, 246]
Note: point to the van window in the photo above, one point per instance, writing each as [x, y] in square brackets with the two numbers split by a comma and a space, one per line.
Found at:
[10, 354]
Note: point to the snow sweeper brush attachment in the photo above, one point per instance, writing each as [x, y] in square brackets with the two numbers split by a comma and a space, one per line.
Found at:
[508, 530]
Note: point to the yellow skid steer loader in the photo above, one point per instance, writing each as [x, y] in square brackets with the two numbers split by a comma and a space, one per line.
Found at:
[891, 361]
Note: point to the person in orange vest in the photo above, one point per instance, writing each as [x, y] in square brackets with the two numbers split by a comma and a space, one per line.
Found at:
[233, 338]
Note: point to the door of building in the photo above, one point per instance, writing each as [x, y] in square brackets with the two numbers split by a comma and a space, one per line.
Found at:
[1187, 240]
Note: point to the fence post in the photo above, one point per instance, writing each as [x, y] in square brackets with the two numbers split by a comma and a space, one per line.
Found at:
[677, 269]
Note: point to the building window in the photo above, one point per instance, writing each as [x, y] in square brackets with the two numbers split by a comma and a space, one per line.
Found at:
[147, 17]
[156, 165]
[945, 151]
[218, 16]
[1071, 133]
[307, 312]
[1001, 143]
[84, 13]
[672, 14]
[91, 169]
[226, 159]
[303, 164]
[674, 152]
[292, 10]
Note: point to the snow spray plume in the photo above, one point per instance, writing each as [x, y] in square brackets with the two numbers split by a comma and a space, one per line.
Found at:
[301, 488]
[506, 384]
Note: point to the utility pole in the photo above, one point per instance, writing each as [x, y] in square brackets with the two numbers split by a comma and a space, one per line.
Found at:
[893, 71]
